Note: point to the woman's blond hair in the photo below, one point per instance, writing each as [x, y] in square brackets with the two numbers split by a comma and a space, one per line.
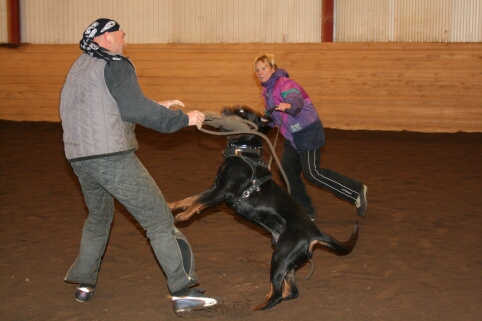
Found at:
[267, 59]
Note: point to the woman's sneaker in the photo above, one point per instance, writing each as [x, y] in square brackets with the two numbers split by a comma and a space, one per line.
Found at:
[84, 292]
[193, 300]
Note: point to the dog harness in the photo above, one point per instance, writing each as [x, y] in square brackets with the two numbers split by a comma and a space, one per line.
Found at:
[256, 182]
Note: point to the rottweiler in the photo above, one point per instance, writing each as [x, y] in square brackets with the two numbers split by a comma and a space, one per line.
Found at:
[244, 183]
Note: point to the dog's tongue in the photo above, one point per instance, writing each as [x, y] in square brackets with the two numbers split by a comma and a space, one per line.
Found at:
[228, 123]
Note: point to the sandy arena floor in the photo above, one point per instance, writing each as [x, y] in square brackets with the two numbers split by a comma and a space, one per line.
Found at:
[418, 256]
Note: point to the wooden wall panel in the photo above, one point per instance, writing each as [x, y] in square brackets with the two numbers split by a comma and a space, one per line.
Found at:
[423, 87]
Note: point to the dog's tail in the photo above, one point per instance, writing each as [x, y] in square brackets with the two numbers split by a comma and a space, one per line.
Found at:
[335, 246]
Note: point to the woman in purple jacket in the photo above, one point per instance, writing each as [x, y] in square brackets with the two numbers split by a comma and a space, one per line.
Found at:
[291, 109]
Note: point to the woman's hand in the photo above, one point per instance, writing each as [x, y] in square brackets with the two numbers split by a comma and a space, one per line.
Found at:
[283, 106]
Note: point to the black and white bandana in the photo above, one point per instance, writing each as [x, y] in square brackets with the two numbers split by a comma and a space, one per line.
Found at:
[97, 28]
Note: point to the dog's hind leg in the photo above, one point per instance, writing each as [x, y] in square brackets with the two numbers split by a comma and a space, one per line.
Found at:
[279, 271]
[290, 290]
[273, 298]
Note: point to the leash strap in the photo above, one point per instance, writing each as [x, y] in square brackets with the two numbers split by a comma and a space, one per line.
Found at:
[276, 138]
[254, 132]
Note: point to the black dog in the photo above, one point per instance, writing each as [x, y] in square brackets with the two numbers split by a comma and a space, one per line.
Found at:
[244, 182]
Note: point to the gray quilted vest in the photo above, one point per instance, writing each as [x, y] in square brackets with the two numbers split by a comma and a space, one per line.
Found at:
[90, 117]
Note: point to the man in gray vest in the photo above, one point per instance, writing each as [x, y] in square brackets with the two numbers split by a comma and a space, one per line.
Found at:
[101, 101]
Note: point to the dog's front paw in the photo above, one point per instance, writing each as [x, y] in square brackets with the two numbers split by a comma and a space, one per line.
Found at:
[182, 217]
[176, 206]
[172, 206]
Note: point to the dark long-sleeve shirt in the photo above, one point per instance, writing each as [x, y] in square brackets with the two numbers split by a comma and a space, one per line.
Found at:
[121, 79]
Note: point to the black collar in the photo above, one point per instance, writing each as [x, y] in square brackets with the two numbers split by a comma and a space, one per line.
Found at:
[239, 150]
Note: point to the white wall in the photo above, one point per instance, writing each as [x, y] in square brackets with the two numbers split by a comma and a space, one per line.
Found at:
[408, 21]
[251, 21]
[3, 22]
[175, 21]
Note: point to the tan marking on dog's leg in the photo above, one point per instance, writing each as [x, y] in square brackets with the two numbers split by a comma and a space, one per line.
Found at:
[270, 293]
[288, 284]
[286, 289]
[313, 243]
[193, 209]
[264, 303]
[183, 204]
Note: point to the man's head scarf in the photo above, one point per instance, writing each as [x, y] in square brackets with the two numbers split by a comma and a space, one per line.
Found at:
[97, 28]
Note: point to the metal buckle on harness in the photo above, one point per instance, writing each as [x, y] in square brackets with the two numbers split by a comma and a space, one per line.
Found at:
[257, 185]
